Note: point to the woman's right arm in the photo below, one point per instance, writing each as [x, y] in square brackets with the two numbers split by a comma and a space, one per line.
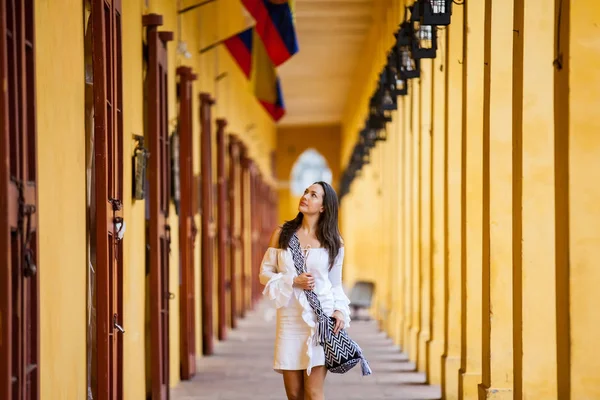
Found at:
[278, 286]
[268, 267]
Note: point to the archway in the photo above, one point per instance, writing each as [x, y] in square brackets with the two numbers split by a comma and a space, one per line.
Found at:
[310, 167]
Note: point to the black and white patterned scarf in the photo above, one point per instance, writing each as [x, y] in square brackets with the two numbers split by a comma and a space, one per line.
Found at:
[341, 353]
[322, 330]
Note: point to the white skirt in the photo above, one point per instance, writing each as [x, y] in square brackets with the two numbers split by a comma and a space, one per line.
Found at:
[292, 340]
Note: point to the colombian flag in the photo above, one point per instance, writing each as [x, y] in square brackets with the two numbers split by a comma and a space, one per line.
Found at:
[250, 54]
[275, 26]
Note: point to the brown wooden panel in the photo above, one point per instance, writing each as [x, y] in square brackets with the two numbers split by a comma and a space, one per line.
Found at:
[19, 302]
[7, 204]
[222, 221]
[245, 226]
[108, 147]
[159, 182]
[187, 226]
[234, 207]
[208, 231]
[254, 224]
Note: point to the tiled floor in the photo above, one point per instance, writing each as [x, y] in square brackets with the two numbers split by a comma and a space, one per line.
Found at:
[241, 368]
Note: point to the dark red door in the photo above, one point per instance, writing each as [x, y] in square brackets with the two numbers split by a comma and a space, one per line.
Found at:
[208, 223]
[244, 186]
[222, 223]
[108, 159]
[187, 226]
[158, 176]
[234, 226]
[19, 304]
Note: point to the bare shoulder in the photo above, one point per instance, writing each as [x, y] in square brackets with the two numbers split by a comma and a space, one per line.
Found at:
[274, 242]
[341, 242]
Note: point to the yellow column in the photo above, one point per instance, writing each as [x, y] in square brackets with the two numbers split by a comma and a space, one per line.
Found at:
[471, 368]
[455, 170]
[425, 213]
[407, 201]
[384, 191]
[398, 219]
[535, 374]
[581, 143]
[415, 325]
[393, 168]
[497, 368]
[438, 199]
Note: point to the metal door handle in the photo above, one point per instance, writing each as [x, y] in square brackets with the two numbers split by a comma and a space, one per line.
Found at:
[116, 325]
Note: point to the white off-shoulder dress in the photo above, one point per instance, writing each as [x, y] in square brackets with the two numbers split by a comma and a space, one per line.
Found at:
[296, 320]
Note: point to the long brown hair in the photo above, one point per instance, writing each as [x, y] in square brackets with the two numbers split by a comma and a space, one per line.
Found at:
[328, 232]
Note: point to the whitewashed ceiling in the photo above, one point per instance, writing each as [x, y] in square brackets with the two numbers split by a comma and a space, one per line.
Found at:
[331, 37]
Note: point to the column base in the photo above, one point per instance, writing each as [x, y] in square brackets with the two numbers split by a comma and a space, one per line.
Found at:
[494, 394]
[436, 349]
[424, 338]
[451, 378]
[413, 345]
[470, 385]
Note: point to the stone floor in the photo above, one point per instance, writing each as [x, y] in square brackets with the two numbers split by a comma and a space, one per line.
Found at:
[241, 368]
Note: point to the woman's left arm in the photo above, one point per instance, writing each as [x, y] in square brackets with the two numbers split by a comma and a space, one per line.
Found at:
[341, 301]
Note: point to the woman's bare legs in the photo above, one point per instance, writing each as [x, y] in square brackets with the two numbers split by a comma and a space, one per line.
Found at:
[294, 384]
[314, 383]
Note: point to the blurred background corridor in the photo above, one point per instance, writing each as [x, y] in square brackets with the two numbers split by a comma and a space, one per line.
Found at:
[150, 147]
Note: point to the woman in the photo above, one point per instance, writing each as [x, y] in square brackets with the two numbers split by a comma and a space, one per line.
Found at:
[297, 357]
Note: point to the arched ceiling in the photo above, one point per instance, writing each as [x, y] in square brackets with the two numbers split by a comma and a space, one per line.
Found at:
[331, 37]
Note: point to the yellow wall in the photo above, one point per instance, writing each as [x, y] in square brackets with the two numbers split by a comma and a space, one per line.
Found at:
[134, 264]
[62, 181]
[61, 193]
[482, 200]
[291, 143]
[496, 223]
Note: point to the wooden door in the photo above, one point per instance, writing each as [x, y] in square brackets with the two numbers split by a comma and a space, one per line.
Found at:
[208, 223]
[222, 237]
[108, 150]
[254, 224]
[159, 182]
[19, 285]
[244, 188]
[234, 226]
[187, 226]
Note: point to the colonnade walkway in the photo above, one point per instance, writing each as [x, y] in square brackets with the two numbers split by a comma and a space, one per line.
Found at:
[240, 369]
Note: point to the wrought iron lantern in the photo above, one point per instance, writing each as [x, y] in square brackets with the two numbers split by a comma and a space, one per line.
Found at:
[368, 137]
[436, 12]
[387, 88]
[400, 86]
[365, 155]
[408, 66]
[140, 162]
[424, 43]
[376, 127]
[381, 134]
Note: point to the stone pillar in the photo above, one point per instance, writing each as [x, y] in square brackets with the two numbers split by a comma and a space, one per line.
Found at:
[438, 214]
[577, 150]
[397, 222]
[497, 366]
[473, 186]
[535, 374]
[407, 201]
[425, 212]
[456, 171]
[415, 324]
